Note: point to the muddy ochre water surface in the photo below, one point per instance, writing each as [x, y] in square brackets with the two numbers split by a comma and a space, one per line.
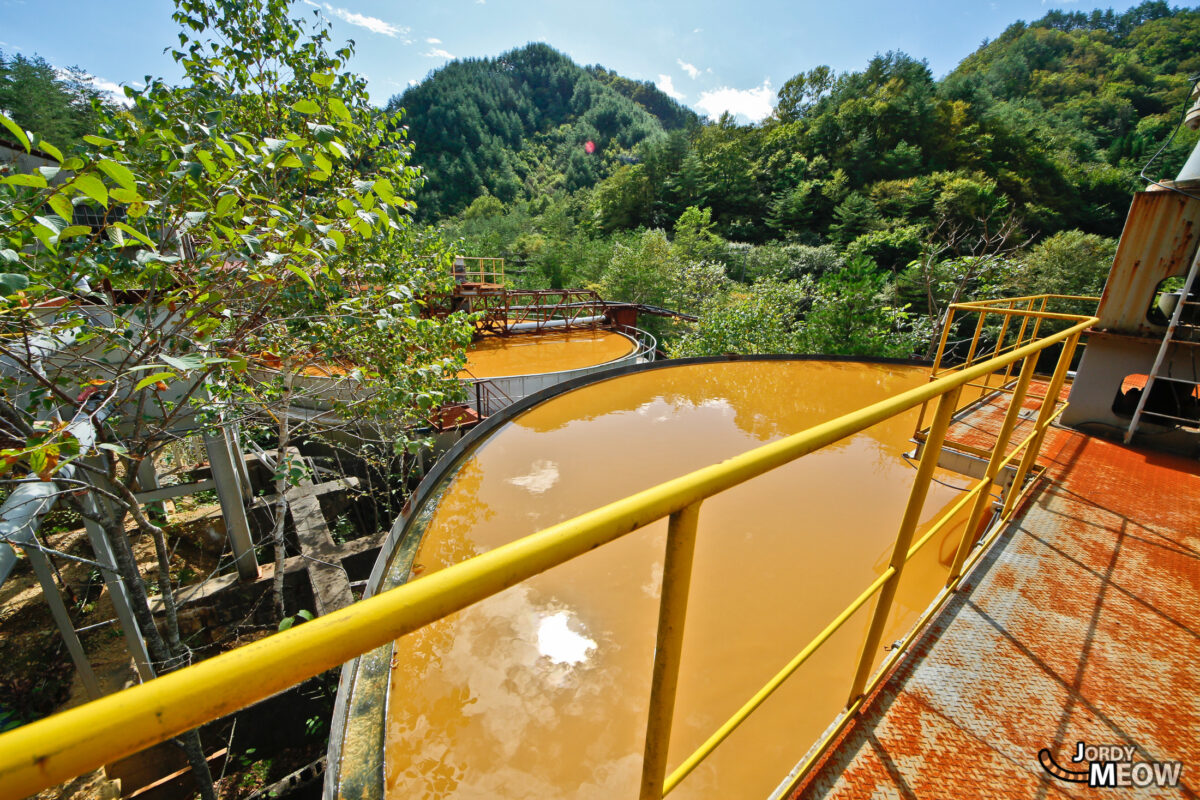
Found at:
[531, 353]
[541, 691]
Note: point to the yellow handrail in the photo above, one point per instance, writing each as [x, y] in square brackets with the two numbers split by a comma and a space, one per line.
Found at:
[46, 752]
[487, 269]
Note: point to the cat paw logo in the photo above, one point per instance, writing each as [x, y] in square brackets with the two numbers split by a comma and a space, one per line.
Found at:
[1111, 766]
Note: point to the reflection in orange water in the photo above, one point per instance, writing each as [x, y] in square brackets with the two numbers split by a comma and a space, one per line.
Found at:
[528, 354]
[541, 692]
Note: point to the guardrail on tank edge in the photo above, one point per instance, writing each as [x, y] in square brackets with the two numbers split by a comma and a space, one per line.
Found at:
[49, 751]
[1005, 313]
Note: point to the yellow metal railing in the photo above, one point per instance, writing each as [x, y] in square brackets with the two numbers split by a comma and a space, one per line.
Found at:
[1015, 315]
[478, 269]
[49, 751]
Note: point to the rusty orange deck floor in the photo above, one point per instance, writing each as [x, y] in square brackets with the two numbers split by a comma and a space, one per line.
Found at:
[1081, 623]
[978, 427]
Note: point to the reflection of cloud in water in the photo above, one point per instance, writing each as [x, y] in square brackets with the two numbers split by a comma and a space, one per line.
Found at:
[559, 643]
[542, 476]
[522, 671]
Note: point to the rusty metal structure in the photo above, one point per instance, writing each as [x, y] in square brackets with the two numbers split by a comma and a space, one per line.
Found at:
[510, 311]
[1159, 243]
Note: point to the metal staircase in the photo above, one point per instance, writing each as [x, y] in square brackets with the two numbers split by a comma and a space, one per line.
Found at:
[1169, 338]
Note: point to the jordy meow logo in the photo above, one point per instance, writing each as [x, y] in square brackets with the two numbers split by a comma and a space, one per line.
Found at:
[1111, 766]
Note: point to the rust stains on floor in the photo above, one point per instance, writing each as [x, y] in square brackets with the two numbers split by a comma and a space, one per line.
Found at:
[977, 426]
[1082, 623]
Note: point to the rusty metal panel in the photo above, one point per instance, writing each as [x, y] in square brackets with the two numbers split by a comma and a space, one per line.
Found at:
[1158, 242]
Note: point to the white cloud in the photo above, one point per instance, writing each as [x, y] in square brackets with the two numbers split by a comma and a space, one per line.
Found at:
[431, 40]
[412, 83]
[668, 87]
[697, 30]
[373, 24]
[691, 69]
[115, 91]
[438, 52]
[752, 105]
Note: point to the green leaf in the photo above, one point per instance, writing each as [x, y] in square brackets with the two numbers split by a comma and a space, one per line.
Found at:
[116, 448]
[155, 378]
[185, 363]
[225, 204]
[11, 283]
[55, 224]
[93, 187]
[383, 188]
[297, 271]
[323, 79]
[207, 160]
[306, 107]
[119, 173]
[338, 238]
[322, 162]
[336, 148]
[123, 195]
[31, 180]
[339, 109]
[99, 141]
[49, 149]
[135, 233]
[16, 131]
[74, 230]
[290, 160]
[62, 206]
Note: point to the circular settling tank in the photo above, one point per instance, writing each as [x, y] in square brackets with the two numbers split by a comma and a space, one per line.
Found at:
[514, 367]
[542, 691]
[530, 353]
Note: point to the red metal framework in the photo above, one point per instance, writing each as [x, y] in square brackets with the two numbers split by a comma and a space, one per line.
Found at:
[507, 312]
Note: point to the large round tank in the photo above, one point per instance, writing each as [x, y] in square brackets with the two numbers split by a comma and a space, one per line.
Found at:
[513, 367]
[542, 691]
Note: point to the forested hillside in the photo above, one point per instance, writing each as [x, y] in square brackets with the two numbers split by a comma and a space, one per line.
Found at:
[883, 188]
[56, 105]
[845, 222]
[520, 125]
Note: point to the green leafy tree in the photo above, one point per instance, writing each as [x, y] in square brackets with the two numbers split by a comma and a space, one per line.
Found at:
[694, 236]
[1069, 262]
[248, 211]
[853, 314]
[59, 106]
[764, 319]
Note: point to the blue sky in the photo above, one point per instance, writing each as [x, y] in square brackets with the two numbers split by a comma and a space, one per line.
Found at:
[712, 56]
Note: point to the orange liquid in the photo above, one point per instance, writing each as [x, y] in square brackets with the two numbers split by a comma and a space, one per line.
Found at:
[542, 691]
[529, 353]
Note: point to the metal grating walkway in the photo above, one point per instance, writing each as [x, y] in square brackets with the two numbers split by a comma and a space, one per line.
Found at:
[1081, 624]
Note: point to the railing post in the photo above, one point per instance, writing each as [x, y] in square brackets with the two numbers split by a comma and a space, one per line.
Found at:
[1020, 337]
[937, 361]
[999, 348]
[1043, 421]
[941, 350]
[947, 404]
[975, 338]
[677, 576]
[993, 468]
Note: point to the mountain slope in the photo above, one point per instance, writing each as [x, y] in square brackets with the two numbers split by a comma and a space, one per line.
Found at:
[519, 125]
